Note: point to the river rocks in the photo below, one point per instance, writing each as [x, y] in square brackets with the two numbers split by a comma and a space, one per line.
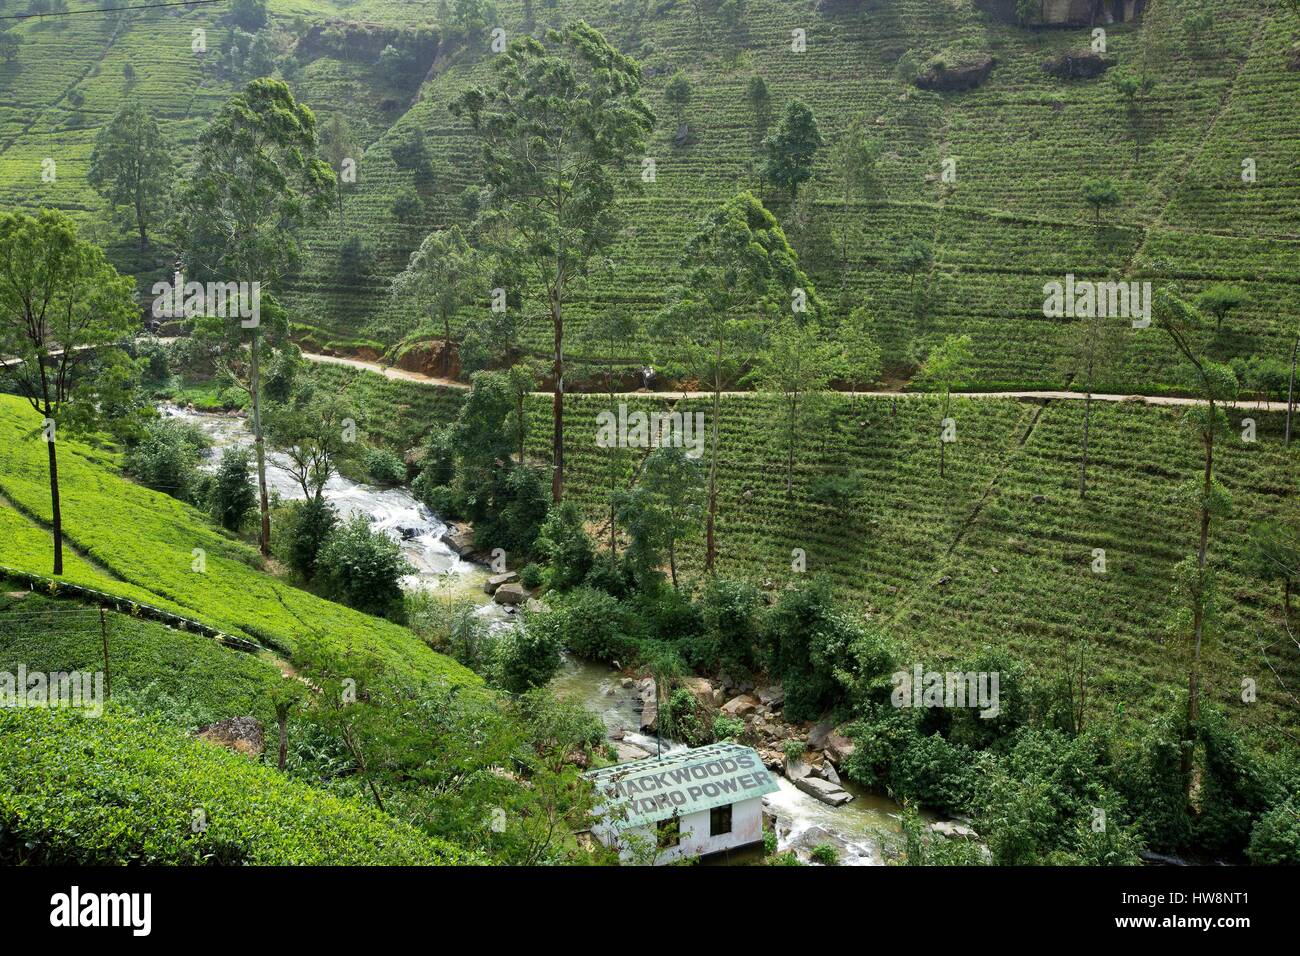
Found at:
[460, 538]
[649, 706]
[241, 734]
[825, 791]
[797, 769]
[951, 830]
[627, 752]
[955, 77]
[510, 594]
[534, 606]
[1082, 65]
[495, 581]
[740, 706]
[772, 696]
[818, 735]
[827, 773]
[839, 748]
[702, 690]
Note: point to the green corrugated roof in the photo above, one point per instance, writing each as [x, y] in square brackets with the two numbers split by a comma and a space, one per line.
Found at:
[686, 781]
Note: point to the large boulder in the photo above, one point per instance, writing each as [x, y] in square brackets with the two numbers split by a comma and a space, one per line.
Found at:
[510, 594]
[824, 790]
[649, 706]
[241, 734]
[839, 747]
[740, 706]
[797, 769]
[702, 690]
[773, 696]
[946, 77]
[495, 581]
[951, 830]
[1080, 65]
[460, 538]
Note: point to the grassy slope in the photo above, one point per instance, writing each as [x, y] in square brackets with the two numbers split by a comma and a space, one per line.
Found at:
[148, 540]
[975, 559]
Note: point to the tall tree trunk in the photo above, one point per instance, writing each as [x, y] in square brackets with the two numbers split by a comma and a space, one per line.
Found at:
[259, 445]
[1290, 393]
[672, 560]
[446, 345]
[557, 402]
[56, 512]
[1198, 619]
[613, 461]
[710, 545]
[1083, 462]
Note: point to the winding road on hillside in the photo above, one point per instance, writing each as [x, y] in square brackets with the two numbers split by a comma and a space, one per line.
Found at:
[404, 375]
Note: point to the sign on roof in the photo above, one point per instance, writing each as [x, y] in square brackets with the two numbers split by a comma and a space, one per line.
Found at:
[688, 781]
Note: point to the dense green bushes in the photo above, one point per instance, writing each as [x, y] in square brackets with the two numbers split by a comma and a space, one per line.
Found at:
[124, 789]
[362, 568]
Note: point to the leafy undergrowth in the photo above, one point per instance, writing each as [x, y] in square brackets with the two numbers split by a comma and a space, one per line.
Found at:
[154, 543]
[125, 789]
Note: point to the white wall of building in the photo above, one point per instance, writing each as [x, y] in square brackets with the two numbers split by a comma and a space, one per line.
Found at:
[746, 828]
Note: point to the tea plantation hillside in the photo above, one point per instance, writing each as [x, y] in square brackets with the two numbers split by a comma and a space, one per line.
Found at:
[124, 789]
[1010, 217]
[1000, 552]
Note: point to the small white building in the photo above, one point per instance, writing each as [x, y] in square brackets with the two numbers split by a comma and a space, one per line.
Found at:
[689, 803]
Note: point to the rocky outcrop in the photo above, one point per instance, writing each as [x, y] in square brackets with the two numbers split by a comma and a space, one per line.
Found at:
[460, 538]
[946, 77]
[1083, 65]
[494, 583]
[510, 594]
[839, 747]
[649, 705]
[741, 706]
[951, 830]
[825, 791]
[1065, 13]
[241, 734]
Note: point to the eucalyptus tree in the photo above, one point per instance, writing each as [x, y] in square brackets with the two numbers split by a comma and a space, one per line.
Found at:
[791, 147]
[797, 364]
[742, 276]
[256, 183]
[1219, 300]
[855, 158]
[131, 165]
[341, 149]
[611, 333]
[947, 364]
[1093, 346]
[557, 128]
[312, 431]
[1215, 384]
[662, 510]
[444, 275]
[60, 301]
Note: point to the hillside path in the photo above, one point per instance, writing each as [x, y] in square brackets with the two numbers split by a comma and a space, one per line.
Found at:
[1167, 400]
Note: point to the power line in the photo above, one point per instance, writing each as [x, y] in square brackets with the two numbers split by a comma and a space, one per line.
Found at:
[103, 10]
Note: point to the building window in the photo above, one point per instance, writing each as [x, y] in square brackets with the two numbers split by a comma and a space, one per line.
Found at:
[668, 833]
[720, 820]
